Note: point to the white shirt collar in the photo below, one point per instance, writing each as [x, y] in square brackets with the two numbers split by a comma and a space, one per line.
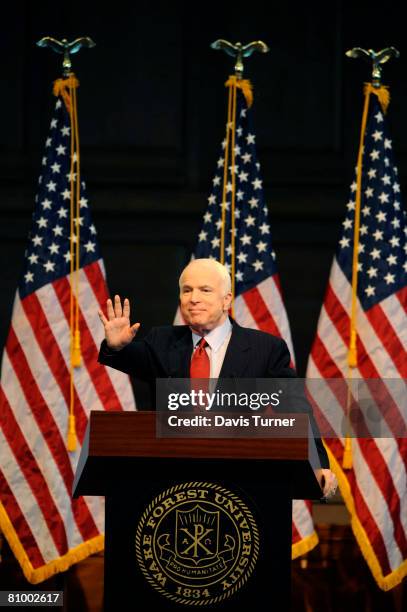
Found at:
[216, 336]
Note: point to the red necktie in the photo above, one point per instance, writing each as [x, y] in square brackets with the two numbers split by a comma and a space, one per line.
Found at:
[200, 368]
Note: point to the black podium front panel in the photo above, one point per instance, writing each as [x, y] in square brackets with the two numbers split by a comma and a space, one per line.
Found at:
[207, 542]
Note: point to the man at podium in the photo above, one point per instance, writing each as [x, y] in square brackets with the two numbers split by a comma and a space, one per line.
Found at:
[210, 345]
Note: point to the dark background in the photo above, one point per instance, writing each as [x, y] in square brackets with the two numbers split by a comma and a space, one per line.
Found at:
[152, 109]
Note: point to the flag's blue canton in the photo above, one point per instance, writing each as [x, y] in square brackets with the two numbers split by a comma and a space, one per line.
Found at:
[254, 258]
[382, 254]
[48, 254]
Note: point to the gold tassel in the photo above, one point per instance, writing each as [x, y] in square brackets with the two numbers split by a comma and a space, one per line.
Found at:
[62, 86]
[243, 84]
[382, 93]
[347, 454]
[383, 96]
[76, 351]
[71, 438]
[352, 350]
[66, 88]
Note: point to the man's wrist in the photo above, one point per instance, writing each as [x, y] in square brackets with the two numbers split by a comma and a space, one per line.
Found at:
[110, 350]
[114, 349]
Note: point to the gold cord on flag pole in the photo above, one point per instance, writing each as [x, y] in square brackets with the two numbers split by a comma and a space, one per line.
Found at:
[232, 197]
[66, 88]
[233, 83]
[238, 51]
[76, 353]
[384, 97]
[225, 179]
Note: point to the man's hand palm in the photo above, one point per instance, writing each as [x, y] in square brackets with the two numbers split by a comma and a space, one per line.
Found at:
[118, 331]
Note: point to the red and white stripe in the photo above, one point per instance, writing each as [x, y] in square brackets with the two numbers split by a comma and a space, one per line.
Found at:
[377, 481]
[263, 308]
[36, 468]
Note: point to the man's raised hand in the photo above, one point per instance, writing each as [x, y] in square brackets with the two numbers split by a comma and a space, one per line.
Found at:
[118, 331]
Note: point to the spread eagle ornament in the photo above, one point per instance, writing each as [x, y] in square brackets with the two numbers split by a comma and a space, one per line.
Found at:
[66, 48]
[239, 51]
[377, 58]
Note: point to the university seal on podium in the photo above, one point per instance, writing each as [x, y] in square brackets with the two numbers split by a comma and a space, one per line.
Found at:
[197, 543]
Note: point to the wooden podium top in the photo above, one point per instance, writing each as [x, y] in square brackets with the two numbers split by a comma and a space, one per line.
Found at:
[115, 440]
[133, 434]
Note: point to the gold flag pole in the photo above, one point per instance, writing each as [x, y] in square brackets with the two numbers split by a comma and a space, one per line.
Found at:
[382, 92]
[66, 88]
[234, 82]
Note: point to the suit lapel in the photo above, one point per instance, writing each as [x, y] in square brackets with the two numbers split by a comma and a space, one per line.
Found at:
[180, 355]
[237, 355]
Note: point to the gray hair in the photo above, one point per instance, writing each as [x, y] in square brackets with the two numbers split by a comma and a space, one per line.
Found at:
[217, 267]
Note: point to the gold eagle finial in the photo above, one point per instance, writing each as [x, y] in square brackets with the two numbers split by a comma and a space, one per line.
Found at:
[66, 48]
[239, 51]
[376, 57]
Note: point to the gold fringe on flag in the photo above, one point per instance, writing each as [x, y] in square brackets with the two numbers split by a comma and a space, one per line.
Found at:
[385, 582]
[61, 564]
[383, 95]
[66, 88]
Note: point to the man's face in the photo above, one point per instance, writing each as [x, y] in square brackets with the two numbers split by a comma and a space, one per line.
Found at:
[203, 302]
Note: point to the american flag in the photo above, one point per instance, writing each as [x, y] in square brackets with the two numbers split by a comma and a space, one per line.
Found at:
[46, 529]
[374, 489]
[258, 299]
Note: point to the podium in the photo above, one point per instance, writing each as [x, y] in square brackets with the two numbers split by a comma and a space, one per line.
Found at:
[194, 522]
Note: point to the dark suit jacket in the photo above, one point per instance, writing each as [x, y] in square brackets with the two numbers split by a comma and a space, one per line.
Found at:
[166, 353]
